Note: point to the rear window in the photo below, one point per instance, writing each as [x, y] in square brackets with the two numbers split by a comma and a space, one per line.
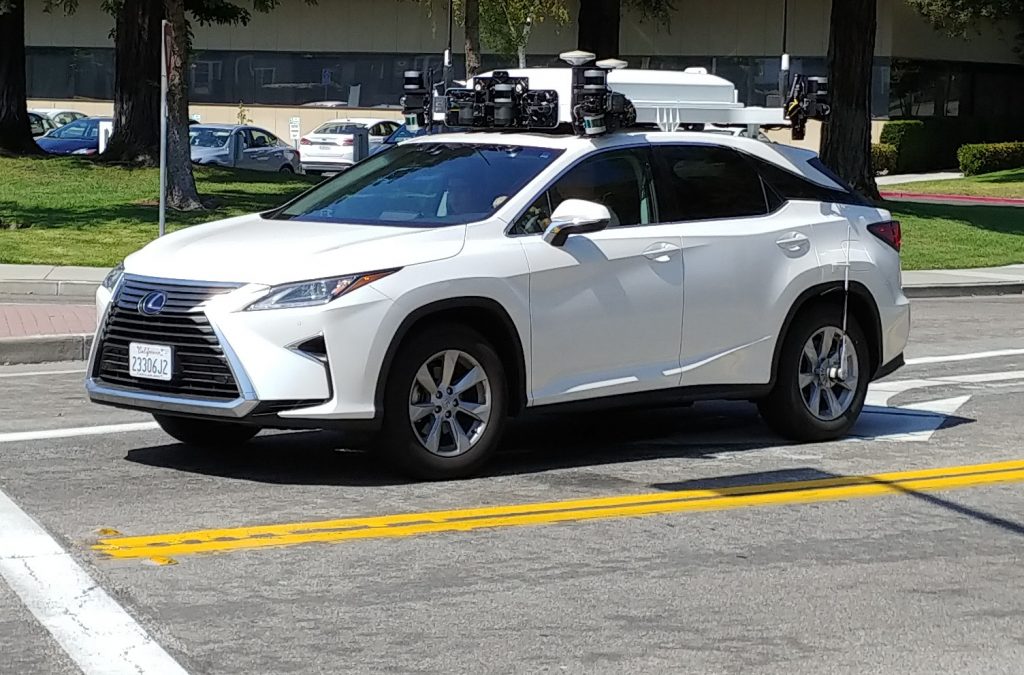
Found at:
[423, 185]
[789, 185]
[705, 182]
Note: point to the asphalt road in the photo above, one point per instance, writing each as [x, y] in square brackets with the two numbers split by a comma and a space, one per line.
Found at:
[894, 574]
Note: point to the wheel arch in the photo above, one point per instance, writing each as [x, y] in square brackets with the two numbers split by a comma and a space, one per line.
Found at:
[486, 316]
[862, 306]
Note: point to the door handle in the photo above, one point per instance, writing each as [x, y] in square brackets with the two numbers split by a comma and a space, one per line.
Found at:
[660, 252]
[794, 242]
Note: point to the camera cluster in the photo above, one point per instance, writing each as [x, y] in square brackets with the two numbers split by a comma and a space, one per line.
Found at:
[503, 101]
[808, 99]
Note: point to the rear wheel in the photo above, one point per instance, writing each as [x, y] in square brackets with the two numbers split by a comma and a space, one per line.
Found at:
[206, 433]
[445, 404]
[822, 377]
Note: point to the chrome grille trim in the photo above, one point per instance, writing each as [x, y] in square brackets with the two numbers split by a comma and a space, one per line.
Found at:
[208, 379]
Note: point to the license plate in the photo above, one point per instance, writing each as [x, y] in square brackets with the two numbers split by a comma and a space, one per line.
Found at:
[150, 362]
[326, 148]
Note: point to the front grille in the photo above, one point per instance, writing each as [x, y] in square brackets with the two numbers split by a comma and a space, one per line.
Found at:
[200, 368]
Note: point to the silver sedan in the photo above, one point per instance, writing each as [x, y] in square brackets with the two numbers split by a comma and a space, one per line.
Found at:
[242, 147]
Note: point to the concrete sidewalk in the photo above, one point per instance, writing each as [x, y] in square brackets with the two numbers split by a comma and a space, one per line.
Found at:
[46, 312]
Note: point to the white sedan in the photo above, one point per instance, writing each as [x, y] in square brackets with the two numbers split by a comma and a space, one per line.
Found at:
[330, 147]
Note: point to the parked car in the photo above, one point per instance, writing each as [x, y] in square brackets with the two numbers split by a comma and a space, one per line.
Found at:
[81, 137]
[60, 117]
[402, 133]
[41, 124]
[325, 104]
[736, 131]
[242, 147]
[330, 147]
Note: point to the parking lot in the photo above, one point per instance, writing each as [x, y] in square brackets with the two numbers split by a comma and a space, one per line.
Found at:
[668, 540]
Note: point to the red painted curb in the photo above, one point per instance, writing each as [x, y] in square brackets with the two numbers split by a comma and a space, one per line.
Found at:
[919, 196]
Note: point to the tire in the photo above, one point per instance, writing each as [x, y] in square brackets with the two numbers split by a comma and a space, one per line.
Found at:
[206, 434]
[287, 168]
[406, 443]
[788, 408]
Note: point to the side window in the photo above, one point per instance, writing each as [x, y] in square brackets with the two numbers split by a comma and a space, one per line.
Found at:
[618, 179]
[705, 182]
[260, 139]
[37, 125]
[377, 130]
[245, 138]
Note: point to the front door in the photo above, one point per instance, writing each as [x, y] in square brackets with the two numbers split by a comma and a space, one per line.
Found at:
[606, 308]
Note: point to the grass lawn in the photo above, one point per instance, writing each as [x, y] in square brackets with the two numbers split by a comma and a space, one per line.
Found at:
[69, 211]
[75, 212]
[998, 184]
[939, 236]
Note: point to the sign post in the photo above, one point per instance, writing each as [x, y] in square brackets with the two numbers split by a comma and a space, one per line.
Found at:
[167, 37]
[294, 130]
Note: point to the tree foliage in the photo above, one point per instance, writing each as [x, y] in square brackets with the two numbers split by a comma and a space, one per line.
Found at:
[960, 17]
[505, 25]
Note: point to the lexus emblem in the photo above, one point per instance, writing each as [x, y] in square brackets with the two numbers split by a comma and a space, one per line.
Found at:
[153, 303]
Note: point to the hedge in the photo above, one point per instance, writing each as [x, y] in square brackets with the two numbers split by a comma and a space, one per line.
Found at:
[986, 158]
[932, 143]
[883, 158]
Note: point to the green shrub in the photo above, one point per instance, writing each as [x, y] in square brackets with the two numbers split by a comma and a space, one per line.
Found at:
[986, 158]
[883, 158]
[931, 143]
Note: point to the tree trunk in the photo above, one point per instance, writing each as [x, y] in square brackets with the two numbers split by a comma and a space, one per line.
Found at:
[599, 27]
[181, 184]
[472, 22]
[521, 49]
[846, 138]
[136, 83]
[15, 128]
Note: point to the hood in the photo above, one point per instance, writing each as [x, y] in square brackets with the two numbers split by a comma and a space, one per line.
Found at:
[252, 249]
[61, 146]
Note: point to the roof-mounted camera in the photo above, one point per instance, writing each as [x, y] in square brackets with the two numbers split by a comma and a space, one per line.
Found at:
[503, 102]
[808, 99]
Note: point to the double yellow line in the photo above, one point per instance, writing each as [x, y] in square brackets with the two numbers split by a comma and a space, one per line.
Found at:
[461, 520]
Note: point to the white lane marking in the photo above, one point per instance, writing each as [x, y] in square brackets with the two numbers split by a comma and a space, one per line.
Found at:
[912, 423]
[37, 373]
[880, 393]
[964, 357]
[16, 436]
[96, 632]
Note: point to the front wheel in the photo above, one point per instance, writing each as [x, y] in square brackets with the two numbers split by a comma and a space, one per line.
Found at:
[822, 377]
[445, 404]
[287, 168]
[207, 434]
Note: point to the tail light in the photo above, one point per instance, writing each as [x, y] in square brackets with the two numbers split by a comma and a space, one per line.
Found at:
[346, 141]
[889, 232]
[305, 141]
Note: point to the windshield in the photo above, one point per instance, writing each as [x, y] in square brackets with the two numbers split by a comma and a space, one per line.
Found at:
[423, 185]
[78, 129]
[207, 137]
[403, 133]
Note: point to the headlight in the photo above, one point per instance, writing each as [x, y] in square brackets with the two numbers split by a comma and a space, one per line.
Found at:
[113, 277]
[84, 151]
[313, 293]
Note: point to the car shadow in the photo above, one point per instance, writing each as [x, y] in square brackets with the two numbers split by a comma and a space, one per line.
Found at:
[534, 444]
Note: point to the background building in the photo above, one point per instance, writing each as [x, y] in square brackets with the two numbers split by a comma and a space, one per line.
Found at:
[357, 51]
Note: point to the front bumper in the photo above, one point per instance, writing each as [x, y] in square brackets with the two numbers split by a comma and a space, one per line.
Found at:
[279, 382]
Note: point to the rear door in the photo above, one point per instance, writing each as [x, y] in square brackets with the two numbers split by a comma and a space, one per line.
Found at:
[743, 249]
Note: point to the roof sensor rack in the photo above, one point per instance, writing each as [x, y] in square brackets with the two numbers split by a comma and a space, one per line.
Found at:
[591, 98]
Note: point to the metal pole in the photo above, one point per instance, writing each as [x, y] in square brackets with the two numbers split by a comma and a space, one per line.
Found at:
[448, 60]
[784, 65]
[163, 126]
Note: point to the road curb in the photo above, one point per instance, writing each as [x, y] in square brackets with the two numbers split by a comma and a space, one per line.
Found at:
[45, 348]
[965, 290]
[80, 290]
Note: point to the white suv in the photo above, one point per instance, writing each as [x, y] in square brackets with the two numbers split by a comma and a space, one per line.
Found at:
[453, 281]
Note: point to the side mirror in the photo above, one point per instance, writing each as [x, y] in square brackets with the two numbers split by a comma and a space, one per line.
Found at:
[576, 216]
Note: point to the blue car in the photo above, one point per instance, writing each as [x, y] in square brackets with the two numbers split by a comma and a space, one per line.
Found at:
[81, 137]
